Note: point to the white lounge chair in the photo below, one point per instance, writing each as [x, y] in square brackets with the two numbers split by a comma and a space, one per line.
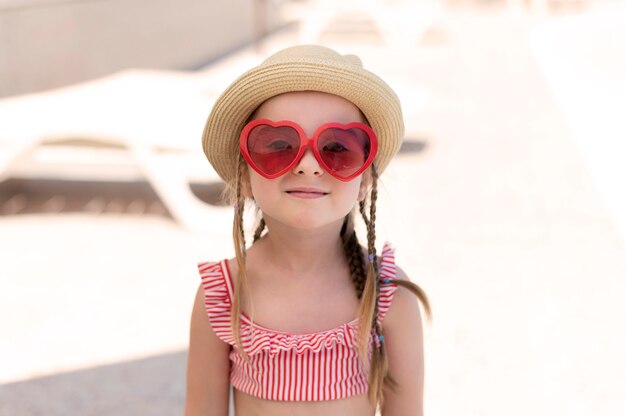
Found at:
[155, 117]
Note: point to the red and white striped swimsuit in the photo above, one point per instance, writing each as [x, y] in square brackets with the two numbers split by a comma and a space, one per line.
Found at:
[296, 367]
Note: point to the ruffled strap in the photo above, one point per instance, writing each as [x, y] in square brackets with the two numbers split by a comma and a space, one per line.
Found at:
[217, 298]
[387, 275]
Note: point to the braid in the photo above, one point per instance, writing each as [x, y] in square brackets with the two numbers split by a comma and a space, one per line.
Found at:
[259, 230]
[371, 239]
[240, 239]
[367, 307]
[241, 287]
[379, 369]
[354, 254]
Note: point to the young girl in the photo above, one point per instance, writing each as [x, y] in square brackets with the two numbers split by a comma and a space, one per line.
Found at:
[305, 321]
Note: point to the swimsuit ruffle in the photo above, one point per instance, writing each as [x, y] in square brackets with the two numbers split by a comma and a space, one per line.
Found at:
[256, 339]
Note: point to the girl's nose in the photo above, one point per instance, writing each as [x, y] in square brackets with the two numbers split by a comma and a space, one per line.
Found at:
[308, 165]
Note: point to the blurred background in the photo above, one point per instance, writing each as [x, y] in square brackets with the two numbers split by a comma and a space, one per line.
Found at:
[506, 201]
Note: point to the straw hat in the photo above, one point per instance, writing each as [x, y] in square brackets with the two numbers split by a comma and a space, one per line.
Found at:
[301, 68]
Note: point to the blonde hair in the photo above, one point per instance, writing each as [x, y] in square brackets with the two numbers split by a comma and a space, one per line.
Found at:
[364, 270]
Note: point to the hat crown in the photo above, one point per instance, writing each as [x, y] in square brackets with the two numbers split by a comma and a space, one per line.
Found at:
[313, 53]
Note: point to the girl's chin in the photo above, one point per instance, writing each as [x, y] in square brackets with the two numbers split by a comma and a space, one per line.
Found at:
[308, 223]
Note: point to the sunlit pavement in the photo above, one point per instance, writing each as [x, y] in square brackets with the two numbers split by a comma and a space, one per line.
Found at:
[493, 208]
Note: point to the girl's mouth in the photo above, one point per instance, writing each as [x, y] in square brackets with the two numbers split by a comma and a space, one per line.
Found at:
[306, 195]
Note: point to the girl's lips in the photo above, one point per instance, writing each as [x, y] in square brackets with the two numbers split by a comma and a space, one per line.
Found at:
[306, 195]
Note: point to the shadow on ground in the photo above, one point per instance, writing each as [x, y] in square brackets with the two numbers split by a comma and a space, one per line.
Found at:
[152, 386]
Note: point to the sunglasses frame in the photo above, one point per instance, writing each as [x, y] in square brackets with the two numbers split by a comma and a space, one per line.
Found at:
[307, 142]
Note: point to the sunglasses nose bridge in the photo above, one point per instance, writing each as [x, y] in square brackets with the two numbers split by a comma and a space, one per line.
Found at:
[308, 160]
[309, 143]
[307, 147]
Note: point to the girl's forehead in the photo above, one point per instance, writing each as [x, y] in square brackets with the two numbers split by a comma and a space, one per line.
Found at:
[309, 107]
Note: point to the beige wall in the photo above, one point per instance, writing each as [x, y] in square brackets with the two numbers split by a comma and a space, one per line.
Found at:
[47, 43]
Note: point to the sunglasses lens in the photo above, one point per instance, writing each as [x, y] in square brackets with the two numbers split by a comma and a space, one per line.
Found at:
[344, 151]
[272, 149]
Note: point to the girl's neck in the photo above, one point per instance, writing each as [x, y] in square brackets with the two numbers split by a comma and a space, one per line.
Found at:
[303, 252]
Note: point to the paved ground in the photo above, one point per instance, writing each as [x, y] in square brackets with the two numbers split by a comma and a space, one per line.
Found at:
[490, 205]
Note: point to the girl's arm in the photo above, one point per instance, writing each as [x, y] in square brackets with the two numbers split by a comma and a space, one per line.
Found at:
[207, 366]
[402, 328]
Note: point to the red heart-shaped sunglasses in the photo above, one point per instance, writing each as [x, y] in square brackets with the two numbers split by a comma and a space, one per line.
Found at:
[272, 148]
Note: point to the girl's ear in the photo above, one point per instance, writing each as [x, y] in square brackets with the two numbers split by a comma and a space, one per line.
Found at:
[366, 184]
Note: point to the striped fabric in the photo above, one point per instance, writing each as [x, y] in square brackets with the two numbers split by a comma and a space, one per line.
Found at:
[296, 367]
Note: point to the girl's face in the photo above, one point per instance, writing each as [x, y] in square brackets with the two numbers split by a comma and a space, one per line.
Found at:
[307, 197]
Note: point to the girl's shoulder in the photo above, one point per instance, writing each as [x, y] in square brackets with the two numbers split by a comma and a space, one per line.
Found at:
[405, 309]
